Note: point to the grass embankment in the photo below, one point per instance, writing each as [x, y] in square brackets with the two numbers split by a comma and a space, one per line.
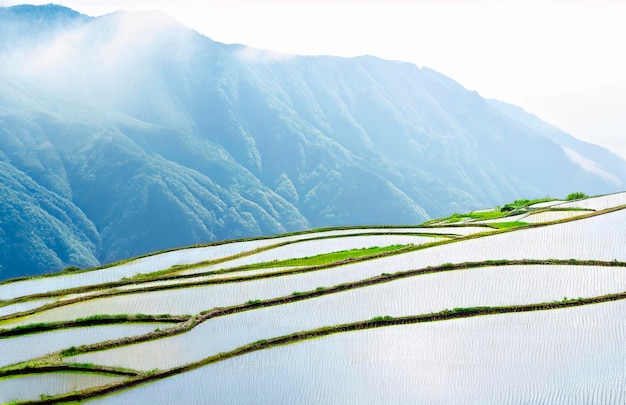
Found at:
[566, 209]
[95, 320]
[456, 218]
[508, 225]
[479, 216]
[69, 368]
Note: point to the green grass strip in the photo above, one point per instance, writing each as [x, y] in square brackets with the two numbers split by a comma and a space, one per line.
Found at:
[72, 367]
[95, 320]
[508, 225]
[325, 258]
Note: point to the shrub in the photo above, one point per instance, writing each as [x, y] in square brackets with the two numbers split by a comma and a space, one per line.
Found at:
[576, 196]
[70, 351]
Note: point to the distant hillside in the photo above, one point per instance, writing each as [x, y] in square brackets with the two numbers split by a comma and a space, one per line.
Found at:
[129, 133]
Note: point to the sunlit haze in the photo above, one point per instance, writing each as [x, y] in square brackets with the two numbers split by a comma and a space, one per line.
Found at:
[561, 60]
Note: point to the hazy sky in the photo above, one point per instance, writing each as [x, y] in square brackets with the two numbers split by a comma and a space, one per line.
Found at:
[564, 61]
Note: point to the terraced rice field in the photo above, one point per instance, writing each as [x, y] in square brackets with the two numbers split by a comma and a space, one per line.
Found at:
[403, 297]
[315, 247]
[24, 306]
[596, 203]
[547, 204]
[463, 314]
[208, 254]
[561, 357]
[40, 344]
[49, 384]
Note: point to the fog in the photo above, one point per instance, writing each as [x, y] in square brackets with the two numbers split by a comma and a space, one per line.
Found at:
[558, 60]
[107, 62]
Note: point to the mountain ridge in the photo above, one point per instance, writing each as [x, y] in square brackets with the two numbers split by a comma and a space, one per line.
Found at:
[162, 137]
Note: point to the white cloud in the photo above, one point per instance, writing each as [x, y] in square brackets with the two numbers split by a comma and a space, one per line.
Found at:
[255, 55]
[591, 166]
[100, 63]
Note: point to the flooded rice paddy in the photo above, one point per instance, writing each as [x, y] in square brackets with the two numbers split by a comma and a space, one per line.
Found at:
[550, 355]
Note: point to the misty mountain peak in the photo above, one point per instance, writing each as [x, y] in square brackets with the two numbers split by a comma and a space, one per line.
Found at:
[48, 12]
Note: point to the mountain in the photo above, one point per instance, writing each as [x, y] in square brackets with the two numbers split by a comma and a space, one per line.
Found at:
[129, 133]
[592, 158]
